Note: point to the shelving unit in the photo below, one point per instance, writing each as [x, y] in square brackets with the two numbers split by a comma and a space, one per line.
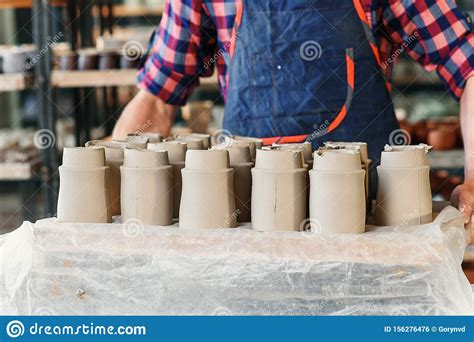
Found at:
[16, 82]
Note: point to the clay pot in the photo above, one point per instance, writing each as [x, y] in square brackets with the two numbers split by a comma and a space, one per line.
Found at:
[192, 143]
[198, 115]
[279, 198]
[306, 148]
[258, 142]
[153, 138]
[68, 61]
[135, 141]
[109, 60]
[18, 59]
[176, 155]
[83, 192]
[405, 156]
[205, 138]
[250, 144]
[337, 160]
[404, 196]
[88, 59]
[241, 161]
[114, 154]
[147, 187]
[404, 193]
[337, 194]
[207, 200]
[127, 62]
[442, 139]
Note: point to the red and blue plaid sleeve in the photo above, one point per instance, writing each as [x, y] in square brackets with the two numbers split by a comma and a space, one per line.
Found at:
[436, 34]
[178, 52]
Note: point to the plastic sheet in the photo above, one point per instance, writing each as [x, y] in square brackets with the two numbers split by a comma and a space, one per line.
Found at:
[119, 269]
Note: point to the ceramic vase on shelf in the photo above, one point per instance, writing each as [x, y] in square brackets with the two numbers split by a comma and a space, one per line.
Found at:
[113, 159]
[176, 155]
[207, 199]
[337, 195]
[147, 187]
[404, 193]
[279, 198]
[84, 195]
[241, 162]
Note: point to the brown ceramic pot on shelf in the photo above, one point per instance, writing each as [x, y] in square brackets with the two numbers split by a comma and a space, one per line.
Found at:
[207, 199]
[88, 59]
[109, 60]
[279, 198]
[146, 190]
[84, 195]
[337, 199]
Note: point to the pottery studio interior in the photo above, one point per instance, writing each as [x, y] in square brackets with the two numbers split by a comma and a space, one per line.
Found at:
[196, 150]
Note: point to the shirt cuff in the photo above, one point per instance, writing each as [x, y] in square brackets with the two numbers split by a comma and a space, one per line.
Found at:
[172, 87]
[459, 66]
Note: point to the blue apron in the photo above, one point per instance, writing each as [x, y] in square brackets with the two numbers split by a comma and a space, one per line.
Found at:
[306, 67]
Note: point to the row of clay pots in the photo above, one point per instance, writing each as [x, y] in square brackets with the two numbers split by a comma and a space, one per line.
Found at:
[93, 59]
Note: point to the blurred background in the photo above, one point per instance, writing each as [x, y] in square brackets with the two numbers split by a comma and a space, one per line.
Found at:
[75, 88]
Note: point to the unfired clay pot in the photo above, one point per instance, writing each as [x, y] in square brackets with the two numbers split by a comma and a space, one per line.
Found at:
[207, 200]
[279, 198]
[205, 138]
[258, 142]
[404, 193]
[192, 143]
[152, 137]
[113, 159]
[250, 144]
[176, 155]
[362, 148]
[241, 162]
[83, 191]
[147, 187]
[306, 148]
[337, 195]
[137, 141]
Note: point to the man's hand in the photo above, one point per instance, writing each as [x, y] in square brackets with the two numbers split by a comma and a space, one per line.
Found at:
[145, 113]
[463, 198]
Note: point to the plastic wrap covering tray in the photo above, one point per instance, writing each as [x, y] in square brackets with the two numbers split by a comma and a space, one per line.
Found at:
[120, 269]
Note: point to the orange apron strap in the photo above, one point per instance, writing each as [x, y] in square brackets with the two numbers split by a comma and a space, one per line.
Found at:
[237, 22]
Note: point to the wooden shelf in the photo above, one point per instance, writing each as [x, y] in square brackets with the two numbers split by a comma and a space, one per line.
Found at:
[27, 3]
[15, 82]
[137, 11]
[99, 78]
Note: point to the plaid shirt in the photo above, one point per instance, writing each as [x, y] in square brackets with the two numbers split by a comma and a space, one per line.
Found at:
[194, 38]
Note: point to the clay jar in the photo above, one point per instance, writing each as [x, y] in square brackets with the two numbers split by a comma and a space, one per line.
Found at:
[88, 59]
[192, 137]
[114, 152]
[362, 148]
[241, 162]
[84, 186]
[404, 193]
[147, 188]
[207, 200]
[306, 148]
[337, 194]
[176, 155]
[279, 198]
[151, 137]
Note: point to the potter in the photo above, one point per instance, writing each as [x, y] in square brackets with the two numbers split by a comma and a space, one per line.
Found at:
[325, 79]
